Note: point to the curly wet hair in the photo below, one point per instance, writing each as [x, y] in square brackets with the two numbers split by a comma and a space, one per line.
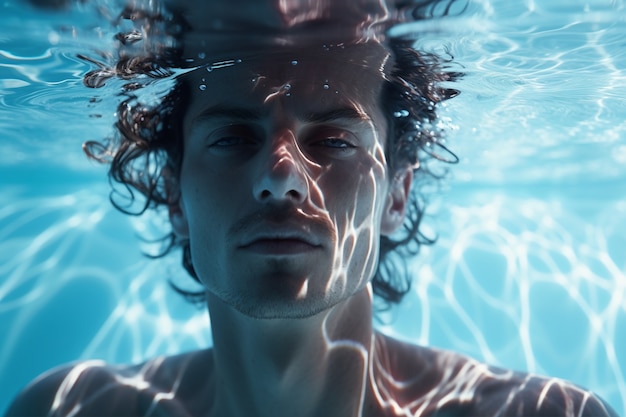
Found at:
[147, 147]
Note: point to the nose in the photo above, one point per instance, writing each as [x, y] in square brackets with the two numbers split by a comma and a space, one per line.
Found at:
[283, 175]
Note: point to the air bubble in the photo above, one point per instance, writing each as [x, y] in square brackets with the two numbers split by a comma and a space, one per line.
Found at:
[202, 87]
[326, 87]
[53, 37]
[294, 62]
[401, 113]
[209, 68]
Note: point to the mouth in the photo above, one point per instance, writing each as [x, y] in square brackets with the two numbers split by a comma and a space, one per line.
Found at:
[280, 242]
[280, 246]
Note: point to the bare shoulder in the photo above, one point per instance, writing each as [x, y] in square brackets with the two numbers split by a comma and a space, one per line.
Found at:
[94, 388]
[61, 389]
[441, 383]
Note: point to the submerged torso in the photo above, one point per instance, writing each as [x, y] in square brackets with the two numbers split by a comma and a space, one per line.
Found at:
[408, 380]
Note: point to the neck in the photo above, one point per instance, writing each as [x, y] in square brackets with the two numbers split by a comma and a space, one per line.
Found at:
[285, 367]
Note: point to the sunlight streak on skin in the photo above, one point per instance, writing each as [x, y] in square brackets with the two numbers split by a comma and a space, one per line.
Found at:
[355, 228]
[280, 91]
[360, 351]
[383, 396]
[70, 381]
[454, 386]
[570, 409]
[344, 250]
[137, 380]
[312, 173]
[303, 290]
[164, 396]
[513, 393]
[463, 385]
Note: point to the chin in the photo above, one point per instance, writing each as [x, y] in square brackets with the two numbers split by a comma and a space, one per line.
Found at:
[278, 313]
[282, 306]
[284, 294]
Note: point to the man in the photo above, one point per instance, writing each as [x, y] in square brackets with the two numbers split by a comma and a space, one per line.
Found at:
[286, 163]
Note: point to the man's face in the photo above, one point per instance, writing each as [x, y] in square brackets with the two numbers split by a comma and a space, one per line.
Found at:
[284, 187]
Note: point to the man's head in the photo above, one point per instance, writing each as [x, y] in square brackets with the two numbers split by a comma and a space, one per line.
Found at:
[284, 187]
[287, 166]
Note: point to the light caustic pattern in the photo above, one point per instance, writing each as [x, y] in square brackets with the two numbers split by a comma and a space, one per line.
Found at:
[503, 268]
[73, 280]
[358, 224]
[461, 294]
[324, 181]
[556, 69]
[527, 284]
[481, 290]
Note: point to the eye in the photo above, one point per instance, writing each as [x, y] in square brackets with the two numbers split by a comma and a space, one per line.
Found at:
[333, 142]
[232, 140]
[336, 143]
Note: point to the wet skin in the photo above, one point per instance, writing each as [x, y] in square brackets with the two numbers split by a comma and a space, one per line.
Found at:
[284, 186]
[412, 381]
[284, 192]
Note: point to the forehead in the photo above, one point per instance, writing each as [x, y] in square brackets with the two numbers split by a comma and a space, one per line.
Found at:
[303, 79]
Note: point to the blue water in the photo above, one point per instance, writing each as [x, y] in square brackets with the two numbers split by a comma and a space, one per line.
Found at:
[529, 271]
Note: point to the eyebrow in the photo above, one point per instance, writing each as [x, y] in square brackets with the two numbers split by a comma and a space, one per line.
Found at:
[228, 112]
[250, 115]
[343, 113]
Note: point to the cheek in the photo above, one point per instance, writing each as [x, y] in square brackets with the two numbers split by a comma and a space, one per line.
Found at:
[357, 210]
[202, 196]
[359, 193]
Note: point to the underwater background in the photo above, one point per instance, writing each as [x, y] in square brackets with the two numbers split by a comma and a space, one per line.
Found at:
[529, 268]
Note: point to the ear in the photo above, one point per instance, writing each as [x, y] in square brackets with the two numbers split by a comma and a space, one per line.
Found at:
[178, 219]
[397, 198]
[176, 210]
